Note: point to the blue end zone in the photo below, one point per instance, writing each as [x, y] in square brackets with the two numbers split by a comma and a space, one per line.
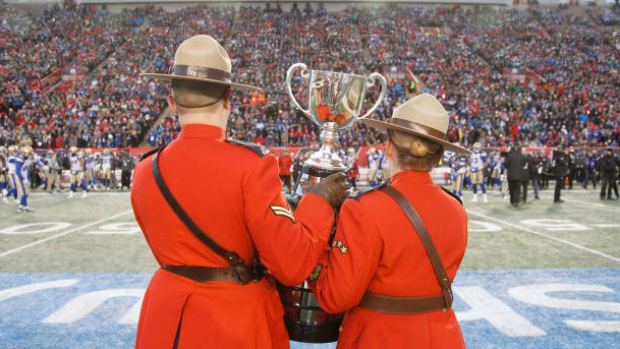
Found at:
[496, 309]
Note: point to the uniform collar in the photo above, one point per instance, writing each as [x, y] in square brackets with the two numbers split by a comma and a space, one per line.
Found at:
[201, 131]
[412, 176]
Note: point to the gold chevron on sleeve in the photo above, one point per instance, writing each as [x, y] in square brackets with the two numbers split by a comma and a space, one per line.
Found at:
[282, 211]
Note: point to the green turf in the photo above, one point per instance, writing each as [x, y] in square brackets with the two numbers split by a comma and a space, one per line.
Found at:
[515, 246]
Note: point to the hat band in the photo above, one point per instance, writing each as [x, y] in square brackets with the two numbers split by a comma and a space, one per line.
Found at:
[202, 72]
[414, 126]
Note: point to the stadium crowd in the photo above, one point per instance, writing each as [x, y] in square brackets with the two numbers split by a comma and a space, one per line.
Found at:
[548, 78]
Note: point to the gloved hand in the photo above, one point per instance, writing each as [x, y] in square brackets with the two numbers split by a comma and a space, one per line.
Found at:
[334, 189]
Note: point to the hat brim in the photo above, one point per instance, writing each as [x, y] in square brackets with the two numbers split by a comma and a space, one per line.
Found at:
[384, 126]
[170, 77]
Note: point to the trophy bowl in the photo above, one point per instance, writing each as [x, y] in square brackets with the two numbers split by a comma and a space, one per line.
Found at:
[334, 102]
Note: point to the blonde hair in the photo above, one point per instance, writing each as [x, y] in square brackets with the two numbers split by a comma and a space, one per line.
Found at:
[413, 152]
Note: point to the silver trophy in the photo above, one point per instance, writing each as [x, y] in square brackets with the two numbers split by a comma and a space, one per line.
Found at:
[334, 102]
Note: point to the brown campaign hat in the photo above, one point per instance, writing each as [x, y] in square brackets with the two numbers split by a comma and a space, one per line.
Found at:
[423, 116]
[201, 58]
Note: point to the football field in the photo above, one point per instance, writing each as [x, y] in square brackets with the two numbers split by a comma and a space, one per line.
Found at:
[543, 275]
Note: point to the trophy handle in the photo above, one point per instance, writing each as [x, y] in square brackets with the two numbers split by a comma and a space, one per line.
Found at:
[289, 76]
[370, 83]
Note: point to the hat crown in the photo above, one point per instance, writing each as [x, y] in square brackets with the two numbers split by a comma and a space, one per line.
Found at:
[424, 110]
[203, 51]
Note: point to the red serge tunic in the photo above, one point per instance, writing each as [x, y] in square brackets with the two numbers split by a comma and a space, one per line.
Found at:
[233, 195]
[376, 249]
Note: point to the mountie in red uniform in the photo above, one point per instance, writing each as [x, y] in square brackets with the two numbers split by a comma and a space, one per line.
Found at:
[233, 193]
[377, 250]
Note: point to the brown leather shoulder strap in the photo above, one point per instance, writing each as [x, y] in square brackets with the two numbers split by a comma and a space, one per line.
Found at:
[231, 256]
[431, 251]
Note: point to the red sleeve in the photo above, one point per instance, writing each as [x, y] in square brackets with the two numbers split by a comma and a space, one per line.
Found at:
[289, 245]
[134, 190]
[345, 271]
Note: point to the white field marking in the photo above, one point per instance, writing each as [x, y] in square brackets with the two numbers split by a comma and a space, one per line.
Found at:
[15, 230]
[84, 304]
[25, 289]
[17, 249]
[606, 225]
[615, 259]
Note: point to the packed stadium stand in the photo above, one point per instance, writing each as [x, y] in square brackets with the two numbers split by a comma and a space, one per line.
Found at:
[69, 76]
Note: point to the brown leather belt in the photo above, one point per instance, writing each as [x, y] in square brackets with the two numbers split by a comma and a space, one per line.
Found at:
[241, 274]
[414, 305]
[404, 305]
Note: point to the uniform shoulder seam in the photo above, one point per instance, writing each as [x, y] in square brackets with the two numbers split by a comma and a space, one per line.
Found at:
[452, 194]
[149, 153]
[256, 148]
[361, 193]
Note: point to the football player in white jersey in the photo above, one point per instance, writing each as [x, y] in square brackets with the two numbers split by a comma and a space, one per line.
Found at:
[76, 166]
[89, 170]
[477, 164]
[106, 168]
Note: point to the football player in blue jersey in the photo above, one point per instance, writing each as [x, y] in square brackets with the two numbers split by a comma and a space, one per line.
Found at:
[22, 163]
[457, 175]
[477, 165]
[12, 177]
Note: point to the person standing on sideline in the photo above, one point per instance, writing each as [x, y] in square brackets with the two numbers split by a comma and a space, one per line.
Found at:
[590, 170]
[127, 166]
[608, 167]
[515, 163]
[560, 165]
[214, 216]
[398, 246]
[285, 162]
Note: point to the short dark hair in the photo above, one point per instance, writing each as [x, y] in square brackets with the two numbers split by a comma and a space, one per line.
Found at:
[196, 94]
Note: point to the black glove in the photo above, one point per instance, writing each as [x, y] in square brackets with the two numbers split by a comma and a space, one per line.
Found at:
[334, 189]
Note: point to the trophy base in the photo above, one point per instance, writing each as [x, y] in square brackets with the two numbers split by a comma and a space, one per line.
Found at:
[304, 319]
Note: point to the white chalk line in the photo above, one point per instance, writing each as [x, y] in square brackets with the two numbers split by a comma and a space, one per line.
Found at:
[615, 259]
[37, 242]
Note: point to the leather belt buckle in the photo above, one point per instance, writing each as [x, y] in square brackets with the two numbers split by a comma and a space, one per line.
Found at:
[242, 272]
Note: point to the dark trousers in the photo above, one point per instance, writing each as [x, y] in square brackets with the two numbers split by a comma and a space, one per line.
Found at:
[559, 185]
[125, 179]
[608, 184]
[524, 185]
[286, 180]
[589, 176]
[514, 186]
[353, 182]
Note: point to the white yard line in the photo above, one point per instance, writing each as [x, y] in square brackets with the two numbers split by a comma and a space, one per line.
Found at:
[34, 243]
[615, 259]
